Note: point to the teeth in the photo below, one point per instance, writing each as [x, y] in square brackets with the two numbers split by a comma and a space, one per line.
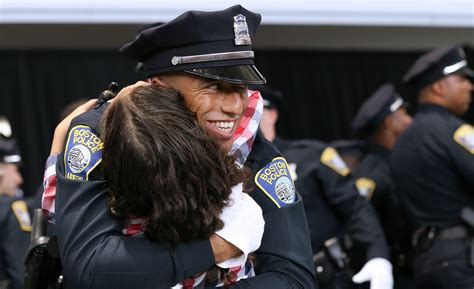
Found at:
[224, 126]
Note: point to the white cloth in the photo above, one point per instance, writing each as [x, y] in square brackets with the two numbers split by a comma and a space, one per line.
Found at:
[378, 271]
[243, 225]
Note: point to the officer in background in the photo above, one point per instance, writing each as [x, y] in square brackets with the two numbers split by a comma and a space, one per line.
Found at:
[333, 205]
[207, 56]
[15, 221]
[433, 167]
[381, 119]
[9, 168]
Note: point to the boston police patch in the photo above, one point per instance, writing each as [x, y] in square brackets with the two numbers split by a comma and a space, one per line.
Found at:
[21, 213]
[83, 152]
[366, 187]
[331, 158]
[275, 181]
[464, 136]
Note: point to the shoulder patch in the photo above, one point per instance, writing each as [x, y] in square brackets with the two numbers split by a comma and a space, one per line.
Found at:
[83, 152]
[21, 213]
[366, 187]
[274, 180]
[331, 158]
[464, 136]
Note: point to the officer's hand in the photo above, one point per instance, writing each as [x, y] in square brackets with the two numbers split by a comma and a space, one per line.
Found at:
[127, 89]
[243, 226]
[378, 271]
[61, 130]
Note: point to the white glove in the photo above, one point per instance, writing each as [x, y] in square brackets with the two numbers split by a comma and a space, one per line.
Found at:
[378, 271]
[243, 225]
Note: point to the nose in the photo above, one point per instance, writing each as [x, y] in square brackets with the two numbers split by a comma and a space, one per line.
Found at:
[233, 103]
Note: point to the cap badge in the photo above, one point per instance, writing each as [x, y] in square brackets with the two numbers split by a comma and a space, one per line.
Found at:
[241, 31]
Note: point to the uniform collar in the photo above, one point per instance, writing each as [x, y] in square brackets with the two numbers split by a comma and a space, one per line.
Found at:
[378, 150]
[431, 107]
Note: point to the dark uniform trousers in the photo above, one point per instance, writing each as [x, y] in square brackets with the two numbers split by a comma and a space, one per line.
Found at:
[333, 207]
[95, 254]
[374, 180]
[433, 166]
[14, 241]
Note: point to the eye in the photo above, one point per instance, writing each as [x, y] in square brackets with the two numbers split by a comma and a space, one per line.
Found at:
[213, 86]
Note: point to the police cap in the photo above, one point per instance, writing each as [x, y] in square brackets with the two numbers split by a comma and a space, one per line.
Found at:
[272, 98]
[384, 101]
[436, 64]
[9, 151]
[216, 45]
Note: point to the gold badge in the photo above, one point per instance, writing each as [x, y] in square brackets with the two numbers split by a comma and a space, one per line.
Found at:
[21, 212]
[366, 187]
[464, 136]
[331, 158]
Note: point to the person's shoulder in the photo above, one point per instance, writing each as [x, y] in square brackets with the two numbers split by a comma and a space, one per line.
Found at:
[271, 176]
[83, 149]
[463, 134]
[372, 173]
[305, 146]
[91, 118]
[15, 210]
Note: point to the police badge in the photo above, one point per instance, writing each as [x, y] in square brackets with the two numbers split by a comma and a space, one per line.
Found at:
[241, 31]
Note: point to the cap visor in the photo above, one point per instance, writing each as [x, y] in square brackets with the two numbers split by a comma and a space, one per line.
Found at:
[239, 74]
[466, 71]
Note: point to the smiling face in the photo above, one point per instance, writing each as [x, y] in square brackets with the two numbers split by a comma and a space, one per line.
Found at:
[218, 105]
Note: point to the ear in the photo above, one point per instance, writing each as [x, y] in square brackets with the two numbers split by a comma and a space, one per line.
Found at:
[438, 87]
[158, 80]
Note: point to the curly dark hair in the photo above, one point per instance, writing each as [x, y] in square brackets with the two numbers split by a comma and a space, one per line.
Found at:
[160, 165]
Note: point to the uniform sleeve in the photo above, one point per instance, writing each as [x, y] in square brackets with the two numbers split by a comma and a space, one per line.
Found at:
[356, 211]
[92, 248]
[14, 243]
[461, 147]
[284, 259]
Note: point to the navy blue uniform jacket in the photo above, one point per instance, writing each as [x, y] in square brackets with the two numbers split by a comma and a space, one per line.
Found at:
[95, 254]
[433, 166]
[332, 202]
[15, 228]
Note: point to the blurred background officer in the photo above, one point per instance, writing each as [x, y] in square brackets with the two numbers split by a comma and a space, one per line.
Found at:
[332, 206]
[15, 221]
[381, 119]
[9, 168]
[433, 167]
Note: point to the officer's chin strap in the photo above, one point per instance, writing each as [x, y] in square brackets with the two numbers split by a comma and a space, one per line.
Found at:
[378, 271]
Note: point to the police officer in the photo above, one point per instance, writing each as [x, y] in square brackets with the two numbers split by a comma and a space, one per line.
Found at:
[380, 120]
[332, 206]
[207, 56]
[433, 166]
[15, 222]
